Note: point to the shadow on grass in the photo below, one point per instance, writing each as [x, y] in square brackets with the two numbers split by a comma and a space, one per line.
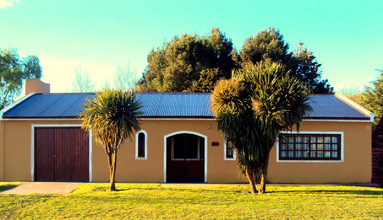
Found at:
[351, 192]
[8, 186]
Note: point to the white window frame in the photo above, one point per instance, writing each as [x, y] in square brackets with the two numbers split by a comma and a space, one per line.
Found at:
[225, 149]
[341, 133]
[146, 145]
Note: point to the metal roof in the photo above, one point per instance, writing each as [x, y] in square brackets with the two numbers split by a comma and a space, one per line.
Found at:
[166, 105]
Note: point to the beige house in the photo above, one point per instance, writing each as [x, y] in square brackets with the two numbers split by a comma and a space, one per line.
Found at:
[41, 140]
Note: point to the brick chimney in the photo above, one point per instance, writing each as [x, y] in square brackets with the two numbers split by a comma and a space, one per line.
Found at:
[36, 86]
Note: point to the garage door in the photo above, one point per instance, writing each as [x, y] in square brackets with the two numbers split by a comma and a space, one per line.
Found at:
[61, 154]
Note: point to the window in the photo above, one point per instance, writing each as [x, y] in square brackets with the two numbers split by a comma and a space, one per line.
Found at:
[185, 147]
[141, 144]
[310, 146]
[229, 151]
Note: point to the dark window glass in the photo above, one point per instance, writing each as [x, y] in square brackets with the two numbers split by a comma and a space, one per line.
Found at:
[309, 147]
[141, 144]
[229, 151]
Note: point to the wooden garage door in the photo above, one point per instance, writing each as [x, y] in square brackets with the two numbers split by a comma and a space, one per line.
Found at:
[61, 154]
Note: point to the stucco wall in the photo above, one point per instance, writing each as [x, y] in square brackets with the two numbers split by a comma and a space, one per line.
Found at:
[15, 154]
[356, 166]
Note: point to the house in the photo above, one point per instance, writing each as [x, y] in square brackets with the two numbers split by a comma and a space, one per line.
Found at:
[41, 140]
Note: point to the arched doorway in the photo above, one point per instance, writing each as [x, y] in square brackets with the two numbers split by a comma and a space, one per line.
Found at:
[185, 157]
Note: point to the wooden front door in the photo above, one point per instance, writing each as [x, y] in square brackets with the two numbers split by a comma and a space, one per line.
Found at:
[185, 158]
[61, 154]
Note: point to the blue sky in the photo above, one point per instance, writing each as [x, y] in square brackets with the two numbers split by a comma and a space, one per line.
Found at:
[345, 36]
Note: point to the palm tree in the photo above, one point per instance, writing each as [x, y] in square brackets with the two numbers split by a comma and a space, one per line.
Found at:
[112, 116]
[252, 107]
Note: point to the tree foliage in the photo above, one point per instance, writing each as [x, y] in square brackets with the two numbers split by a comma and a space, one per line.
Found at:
[372, 98]
[125, 77]
[252, 108]
[112, 116]
[12, 73]
[189, 63]
[269, 45]
[83, 83]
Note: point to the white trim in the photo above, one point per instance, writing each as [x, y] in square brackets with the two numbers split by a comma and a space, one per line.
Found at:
[313, 161]
[9, 107]
[146, 145]
[354, 105]
[186, 132]
[33, 126]
[181, 119]
[225, 148]
[339, 120]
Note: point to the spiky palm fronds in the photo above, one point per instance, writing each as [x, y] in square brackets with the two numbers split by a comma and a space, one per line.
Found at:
[253, 107]
[113, 117]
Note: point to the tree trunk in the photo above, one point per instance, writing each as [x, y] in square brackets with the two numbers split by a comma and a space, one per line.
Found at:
[112, 166]
[252, 182]
[262, 184]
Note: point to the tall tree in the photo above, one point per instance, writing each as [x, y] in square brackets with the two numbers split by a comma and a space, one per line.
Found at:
[185, 63]
[112, 115]
[83, 82]
[125, 77]
[372, 98]
[269, 45]
[13, 72]
[305, 67]
[252, 107]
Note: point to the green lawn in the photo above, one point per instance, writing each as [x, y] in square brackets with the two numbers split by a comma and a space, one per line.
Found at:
[150, 201]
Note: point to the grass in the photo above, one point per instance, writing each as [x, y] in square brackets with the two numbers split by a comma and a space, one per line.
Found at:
[151, 201]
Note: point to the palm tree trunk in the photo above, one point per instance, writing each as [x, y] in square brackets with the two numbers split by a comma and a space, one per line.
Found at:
[262, 184]
[112, 166]
[252, 182]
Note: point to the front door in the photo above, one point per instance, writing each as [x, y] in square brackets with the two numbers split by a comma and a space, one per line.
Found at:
[185, 158]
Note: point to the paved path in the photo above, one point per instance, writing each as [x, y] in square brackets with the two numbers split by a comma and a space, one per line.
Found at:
[43, 187]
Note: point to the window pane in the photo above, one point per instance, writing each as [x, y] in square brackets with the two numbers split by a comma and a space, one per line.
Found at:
[298, 146]
[327, 154]
[313, 154]
[291, 139]
[283, 147]
[305, 154]
[313, 139]
[305, 146]
[298, 153]
[320, 154]
[334, 140]
[291, 146]
[334, 147]
[305, 139]
[320, 147]
[298, 139]
[320, 139]
[313, 146]
[334, 154]
[141, 144]
[327, 140]
[291, 153]
[229, 151]
[327, 146]
[283, 153]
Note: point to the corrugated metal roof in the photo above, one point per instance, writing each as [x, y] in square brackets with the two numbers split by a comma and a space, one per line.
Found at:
[166, 105]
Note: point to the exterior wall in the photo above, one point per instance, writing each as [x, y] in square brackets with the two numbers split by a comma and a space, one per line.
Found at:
[356, 166]
[152, 169]
[15, 154]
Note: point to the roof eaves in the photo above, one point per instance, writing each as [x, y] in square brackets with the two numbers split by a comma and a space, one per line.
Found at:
[9, 107]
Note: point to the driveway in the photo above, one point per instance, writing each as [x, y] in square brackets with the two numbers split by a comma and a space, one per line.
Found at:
[43, 187]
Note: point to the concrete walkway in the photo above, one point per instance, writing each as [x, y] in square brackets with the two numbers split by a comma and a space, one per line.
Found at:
[43, 187]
